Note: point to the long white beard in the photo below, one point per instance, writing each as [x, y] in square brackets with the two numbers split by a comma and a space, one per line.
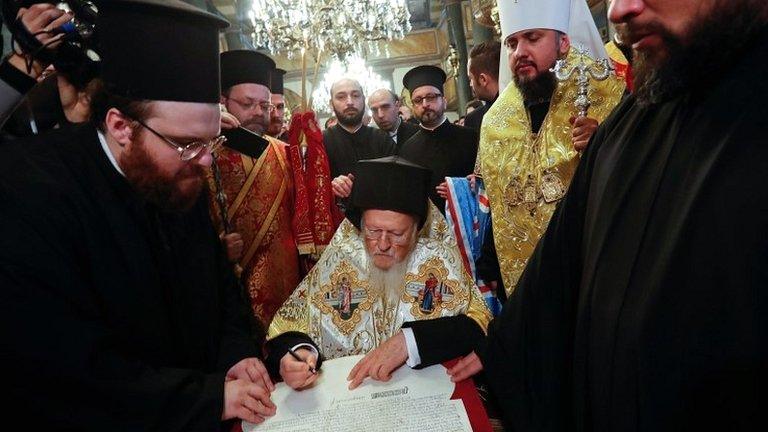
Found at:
[389, 282]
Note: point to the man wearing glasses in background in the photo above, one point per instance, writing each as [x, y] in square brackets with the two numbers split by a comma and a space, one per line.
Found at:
[277, 126]
[119, 310]
[253, 172]
[448, 150]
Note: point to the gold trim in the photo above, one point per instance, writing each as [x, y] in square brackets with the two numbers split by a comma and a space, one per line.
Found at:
[436, 266]
[345, 269]
[252, 176]
[272, 211]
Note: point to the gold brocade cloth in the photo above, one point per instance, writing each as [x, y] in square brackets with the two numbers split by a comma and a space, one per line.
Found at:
[527, 174]
[344, 315]
[259, 194]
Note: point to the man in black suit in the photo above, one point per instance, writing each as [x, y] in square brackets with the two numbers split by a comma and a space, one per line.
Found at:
[385, 107]
[483, 73]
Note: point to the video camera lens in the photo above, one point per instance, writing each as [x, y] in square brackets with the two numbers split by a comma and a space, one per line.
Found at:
[75, 54]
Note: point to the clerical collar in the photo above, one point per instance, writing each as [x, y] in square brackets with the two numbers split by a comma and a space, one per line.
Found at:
[351, 132]
[110, 156]
[445, 119]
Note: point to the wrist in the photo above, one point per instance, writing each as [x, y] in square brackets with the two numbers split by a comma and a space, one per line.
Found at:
[20, 61]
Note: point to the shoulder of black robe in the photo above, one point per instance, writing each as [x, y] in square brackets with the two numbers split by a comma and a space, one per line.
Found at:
[97, 332]
[445, 338]
[474, 119]
[688, 349]
[345, 149]
[382, 143]
[449, 151]
[404, 133]
[331, 144]
[277, 347]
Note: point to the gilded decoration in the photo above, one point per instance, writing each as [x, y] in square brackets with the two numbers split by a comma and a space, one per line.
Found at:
[344, 298]
[527, 174]
[431, 290]
[339, 309]
[258, 196]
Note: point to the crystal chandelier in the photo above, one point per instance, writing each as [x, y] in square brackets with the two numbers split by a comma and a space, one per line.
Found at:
[354, 67]
[335, 27]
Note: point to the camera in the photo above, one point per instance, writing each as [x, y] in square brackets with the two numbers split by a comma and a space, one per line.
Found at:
[76, 55]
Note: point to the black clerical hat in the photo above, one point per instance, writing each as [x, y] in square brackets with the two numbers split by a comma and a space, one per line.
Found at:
[159, 50]
[245, 66]
[389, 183]
[424, 75]
[276, 81]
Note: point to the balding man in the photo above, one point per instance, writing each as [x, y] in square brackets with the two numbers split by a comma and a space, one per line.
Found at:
[350, 141]
[385, 107]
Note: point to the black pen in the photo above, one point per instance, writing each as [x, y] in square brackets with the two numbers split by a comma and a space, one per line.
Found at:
[296, 356]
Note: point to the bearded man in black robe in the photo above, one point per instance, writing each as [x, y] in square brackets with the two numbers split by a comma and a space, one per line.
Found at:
[644, 306]
[448, 150]
[118, 308]
[350, 140]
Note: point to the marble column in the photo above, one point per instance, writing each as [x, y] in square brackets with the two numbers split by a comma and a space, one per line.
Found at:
[453, 11]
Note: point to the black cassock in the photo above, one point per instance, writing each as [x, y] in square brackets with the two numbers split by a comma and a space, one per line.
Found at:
[645, 304]
[474, 119]
[449, 151]
[344, 149]
[404, 132]
[114, 315]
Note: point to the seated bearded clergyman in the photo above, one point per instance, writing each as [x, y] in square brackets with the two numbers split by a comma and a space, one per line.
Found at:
[389, 285]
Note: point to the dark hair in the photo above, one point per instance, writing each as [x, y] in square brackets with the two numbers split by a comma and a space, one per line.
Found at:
[485, 58]
[103, 99]
[474, 103]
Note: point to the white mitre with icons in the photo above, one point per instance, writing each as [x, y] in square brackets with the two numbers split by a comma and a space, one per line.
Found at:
[571, 17]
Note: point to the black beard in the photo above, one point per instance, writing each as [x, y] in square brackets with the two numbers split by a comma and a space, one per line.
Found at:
[537, 89]
[716, 43]
[350, 120]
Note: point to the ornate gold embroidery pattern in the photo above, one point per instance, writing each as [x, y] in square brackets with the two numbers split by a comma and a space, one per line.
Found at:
[526, 175]
[436, 267]
[380, 315]
[344, 272]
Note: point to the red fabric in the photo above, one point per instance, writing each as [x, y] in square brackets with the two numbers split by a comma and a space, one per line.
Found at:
[316, 217]
[624, 71]
[466, 391]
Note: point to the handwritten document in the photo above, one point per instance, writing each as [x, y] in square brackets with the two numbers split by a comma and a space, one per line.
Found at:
[413, 400]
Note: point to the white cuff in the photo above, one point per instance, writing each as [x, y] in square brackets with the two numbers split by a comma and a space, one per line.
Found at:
[307, 346]
[414, 359]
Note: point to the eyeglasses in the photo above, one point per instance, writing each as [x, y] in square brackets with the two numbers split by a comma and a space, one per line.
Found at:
[429, 98]
[251, 104]
[378, 234]
[189, 151]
